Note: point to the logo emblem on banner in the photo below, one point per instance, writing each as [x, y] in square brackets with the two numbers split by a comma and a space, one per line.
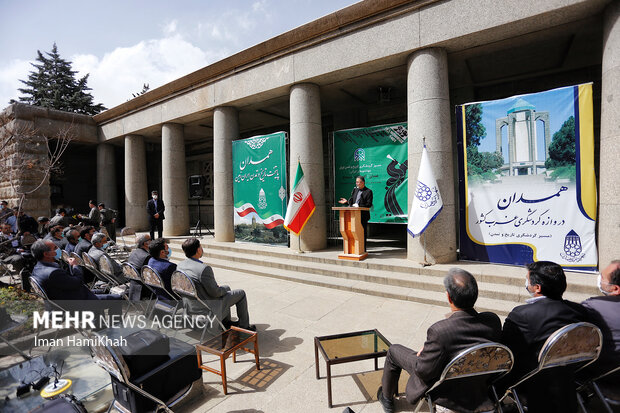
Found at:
[262, 200]
[425, 195]
[572, 247]
[359, 155]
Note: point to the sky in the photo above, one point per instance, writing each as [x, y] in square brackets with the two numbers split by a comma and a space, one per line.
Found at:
[125, 44]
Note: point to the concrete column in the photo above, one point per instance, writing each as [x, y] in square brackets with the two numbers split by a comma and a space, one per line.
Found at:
[106, 176]
[225, 130]
[174, 180]
[136, 194]
[306, 144]
[428, 113]
[609, 207]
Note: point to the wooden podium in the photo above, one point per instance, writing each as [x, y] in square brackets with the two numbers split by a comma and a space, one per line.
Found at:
[352, 233]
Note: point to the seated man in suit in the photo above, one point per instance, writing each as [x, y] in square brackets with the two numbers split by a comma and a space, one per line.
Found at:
[159, 261]
[604, 312]
[72, 236]
[526, 329]
[55, 235]
[84, 244]
[445, 339]
[58, 283]
[138, 258]
[99, 241]
[219, 298]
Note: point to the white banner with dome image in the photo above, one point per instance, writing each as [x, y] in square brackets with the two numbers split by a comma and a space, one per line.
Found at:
[527, 187]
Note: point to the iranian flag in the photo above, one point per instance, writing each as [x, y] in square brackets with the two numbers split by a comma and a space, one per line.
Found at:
[300, 205]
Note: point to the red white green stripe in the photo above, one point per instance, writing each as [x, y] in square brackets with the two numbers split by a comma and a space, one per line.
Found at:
[300, 205]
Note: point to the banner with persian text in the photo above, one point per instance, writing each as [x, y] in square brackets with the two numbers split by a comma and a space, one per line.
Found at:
[379, 154]
[259, 188]
[527, 187]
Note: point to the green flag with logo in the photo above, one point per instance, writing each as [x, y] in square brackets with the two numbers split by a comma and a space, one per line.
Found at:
[259, 188]
[379, 154]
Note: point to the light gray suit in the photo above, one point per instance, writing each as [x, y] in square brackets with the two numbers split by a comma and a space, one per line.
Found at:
[96, 255]
[218, 298]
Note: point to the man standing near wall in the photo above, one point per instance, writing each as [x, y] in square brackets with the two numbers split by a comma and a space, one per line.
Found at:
[155, 208]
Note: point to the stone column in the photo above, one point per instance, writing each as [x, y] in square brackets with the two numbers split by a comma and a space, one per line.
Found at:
[136, 194]
[106, 176]
[174, 180]
[609, 207]
[225, 130]
[306, 144]
[428, 115]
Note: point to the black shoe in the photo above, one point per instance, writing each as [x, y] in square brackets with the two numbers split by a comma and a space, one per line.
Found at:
[388, 405]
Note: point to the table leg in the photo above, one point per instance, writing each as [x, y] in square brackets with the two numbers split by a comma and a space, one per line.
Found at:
[235, 356]
[256, 353]
[329, 385]
[316, 358]
[223, 367]
[376, 363]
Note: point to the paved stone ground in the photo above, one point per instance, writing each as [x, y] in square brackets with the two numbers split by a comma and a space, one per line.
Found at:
[288, 316]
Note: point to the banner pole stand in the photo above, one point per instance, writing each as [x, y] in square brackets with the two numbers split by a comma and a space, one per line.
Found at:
[425, 263]
[299, 251]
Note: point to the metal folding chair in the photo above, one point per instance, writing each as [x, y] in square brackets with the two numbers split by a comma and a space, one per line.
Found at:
[151, 277]
[184, 286]
[575, 344]
[128, 236]
[476, 369]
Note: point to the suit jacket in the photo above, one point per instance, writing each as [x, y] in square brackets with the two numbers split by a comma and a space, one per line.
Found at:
[60, 284]
[526, 329]
[444, 340]
[165, 269]
[365, 201]
[604, 312]
[60, 243]
[139, 258]
[207, 288]
[82, 246]
[150, 208]
[59, 220]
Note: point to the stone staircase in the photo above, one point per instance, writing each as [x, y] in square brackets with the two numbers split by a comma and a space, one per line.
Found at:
[386, 273]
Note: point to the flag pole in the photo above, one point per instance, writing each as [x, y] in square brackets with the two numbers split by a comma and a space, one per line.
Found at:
[425, 263]
[299, 250]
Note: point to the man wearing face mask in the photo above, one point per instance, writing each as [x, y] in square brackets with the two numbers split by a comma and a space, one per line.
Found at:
[159, 261]
[526, 329]
[360, 197]
[5, 212]
[155, 208]
[100, 243]
[605, 311]
[72, 236]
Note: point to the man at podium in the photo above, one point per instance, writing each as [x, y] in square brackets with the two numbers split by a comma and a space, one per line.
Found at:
[360, 197]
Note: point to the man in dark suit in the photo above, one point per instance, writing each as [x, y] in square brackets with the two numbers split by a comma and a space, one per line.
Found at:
[525, 331]
[155, 208]
[138, 258]
[94, 216]
[83, 246]
[160, 262]
[360, 197]
[464, 328]
[604, 312]
[218, 297]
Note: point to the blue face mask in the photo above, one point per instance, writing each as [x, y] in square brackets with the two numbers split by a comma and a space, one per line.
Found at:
[169, 253]
[58, 254]
[106, 245]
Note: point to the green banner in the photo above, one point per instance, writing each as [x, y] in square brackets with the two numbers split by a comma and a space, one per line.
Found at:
[259, 188]
[379, 154]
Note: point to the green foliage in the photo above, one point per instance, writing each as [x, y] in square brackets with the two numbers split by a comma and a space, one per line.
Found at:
[479, 163]
[53, 85]
[474, 129]
[565, 172]
[260, 234]
[562, 147]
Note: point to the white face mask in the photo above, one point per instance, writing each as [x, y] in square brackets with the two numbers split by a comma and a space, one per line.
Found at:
[599, 283]
[155, 197]
[527, 286]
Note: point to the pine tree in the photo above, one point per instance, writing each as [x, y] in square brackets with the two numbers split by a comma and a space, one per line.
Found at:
[53, 85]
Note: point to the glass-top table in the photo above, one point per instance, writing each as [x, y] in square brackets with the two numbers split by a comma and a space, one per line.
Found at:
[348, 347]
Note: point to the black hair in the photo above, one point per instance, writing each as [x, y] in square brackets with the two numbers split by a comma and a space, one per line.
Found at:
[61, 210]
[157, 246]
[550, 276]
[461, 287]
[361, 177]
[86, 230]
[190, 247]
[614, 277]
[101, 204]
[93, 202]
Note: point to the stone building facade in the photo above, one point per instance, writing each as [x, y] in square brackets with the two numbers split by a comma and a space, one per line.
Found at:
[371, 63]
